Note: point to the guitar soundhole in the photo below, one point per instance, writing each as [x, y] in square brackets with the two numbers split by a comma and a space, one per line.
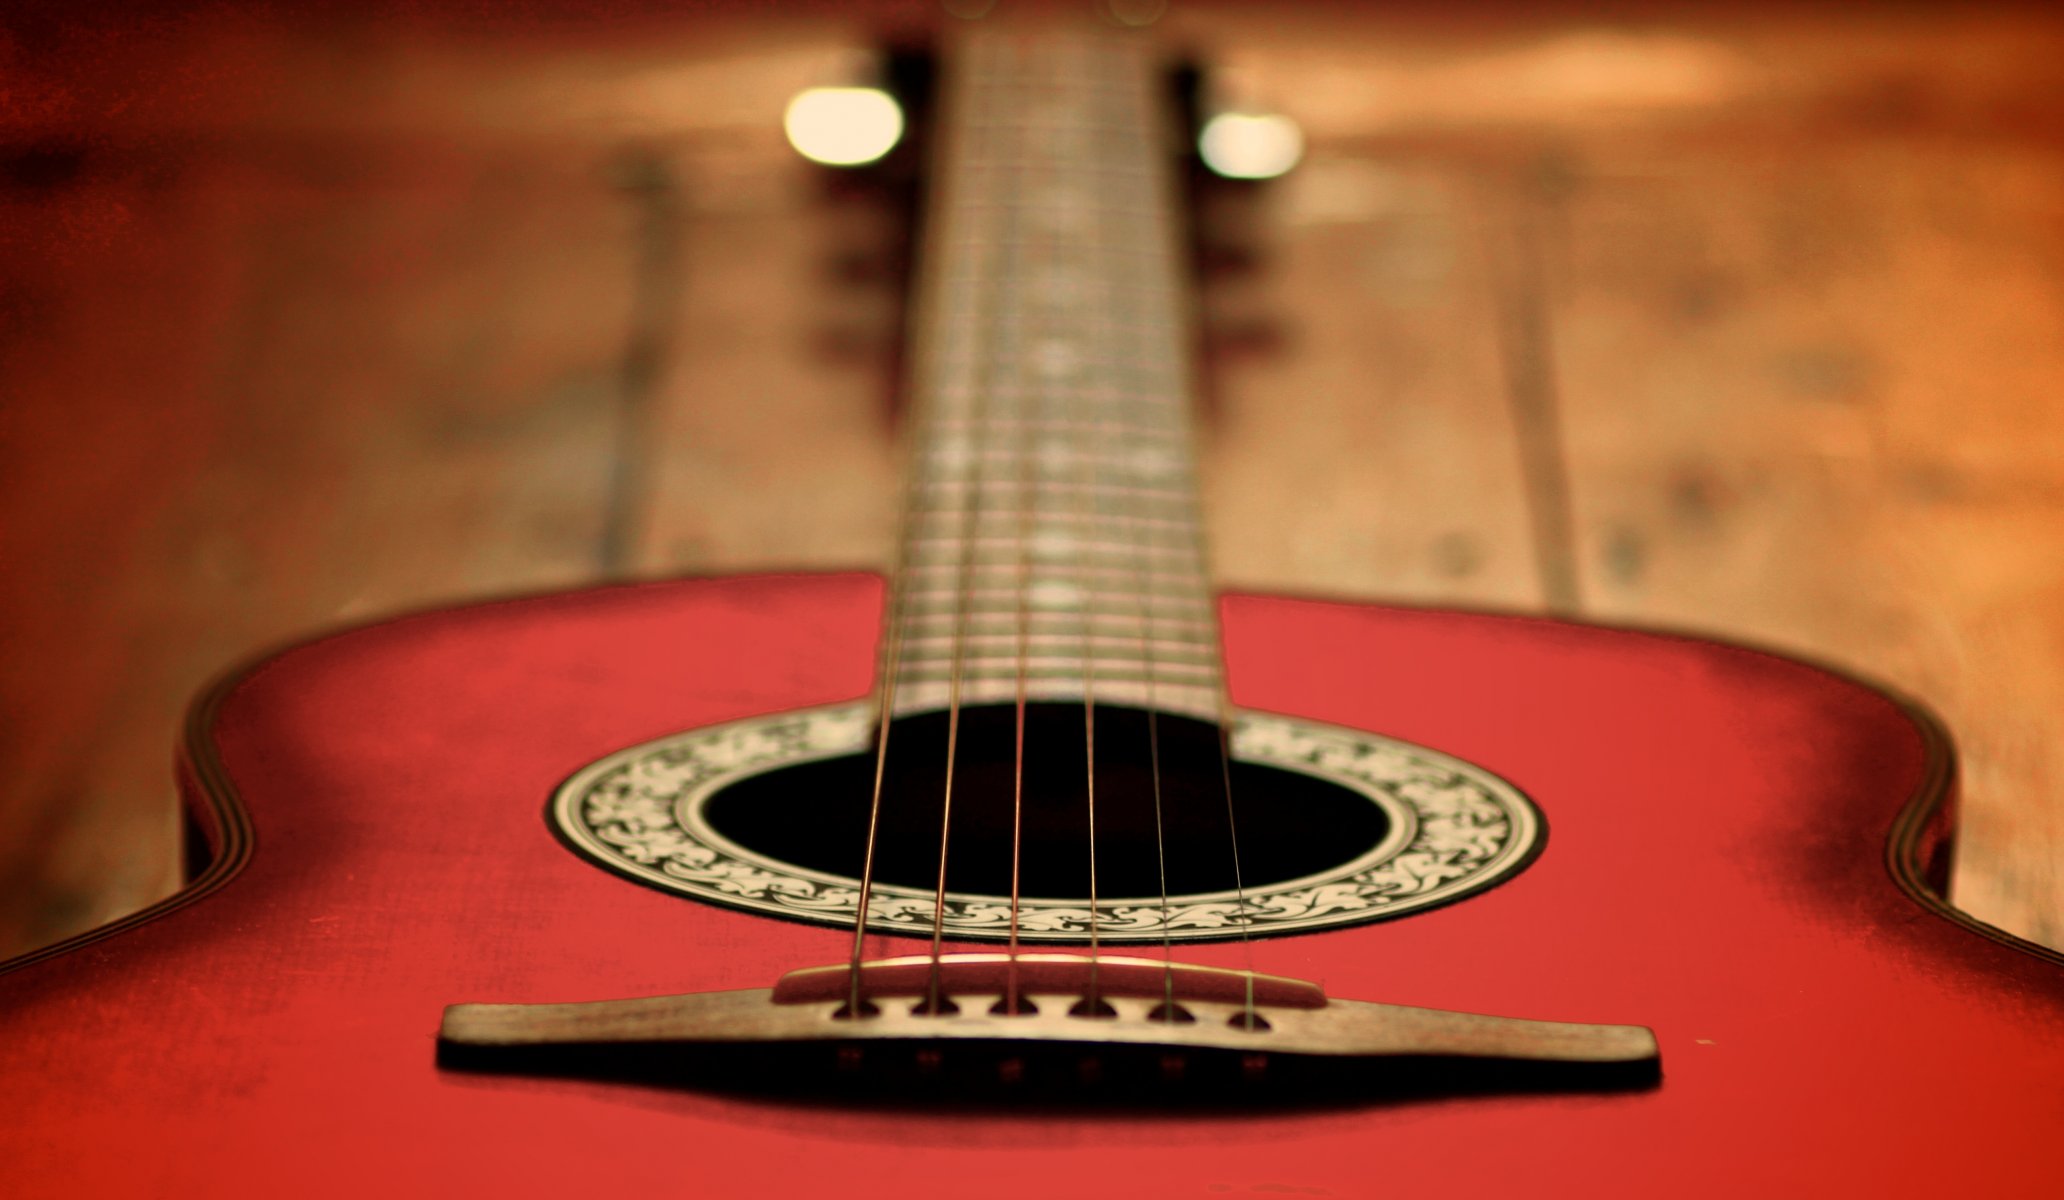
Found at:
[1289, 824]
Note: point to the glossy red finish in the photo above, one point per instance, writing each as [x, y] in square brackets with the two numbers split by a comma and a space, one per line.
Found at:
[1714, 869]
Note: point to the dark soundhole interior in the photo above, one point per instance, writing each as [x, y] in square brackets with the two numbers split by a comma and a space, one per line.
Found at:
[815, 814]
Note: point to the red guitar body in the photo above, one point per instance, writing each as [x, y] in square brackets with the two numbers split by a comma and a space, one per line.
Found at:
[1716, 868]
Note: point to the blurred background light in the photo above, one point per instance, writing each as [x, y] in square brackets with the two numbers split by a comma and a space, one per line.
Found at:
[843, 126]
[1250, 145]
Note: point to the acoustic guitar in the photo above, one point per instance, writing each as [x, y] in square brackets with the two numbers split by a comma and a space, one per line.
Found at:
[1041, 870]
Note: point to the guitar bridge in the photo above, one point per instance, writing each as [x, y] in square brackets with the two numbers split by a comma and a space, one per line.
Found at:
[1042, 1023]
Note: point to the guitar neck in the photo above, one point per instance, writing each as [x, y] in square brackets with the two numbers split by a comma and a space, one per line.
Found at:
[1051, 537]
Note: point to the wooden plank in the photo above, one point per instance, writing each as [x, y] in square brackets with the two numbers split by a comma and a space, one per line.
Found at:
[257, 404]
[770, 441]
[1362, 445]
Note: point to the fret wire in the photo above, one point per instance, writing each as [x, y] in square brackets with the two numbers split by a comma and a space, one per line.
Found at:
[1193, 638]
[1128, 520]
[1026, 121]
[1042, 640]
[1055, 593]
[938, 548]
[1060, 214]
[1115, 256]
[1121, 511]
[1057, 276]
[1043, 478]
[1139, 421]
[1138, 354]
[1058, 593]
[1055, 488]
[1117, 670]
[1073, 368]
[991, 637]
[1053, 516]
[1198, 670]
[942, 673]
[1200, 625]
[1151, 385]
[1131, 358]
[1000, 162]
[1076, 550]
[1131, 433]
[1188, 699]
[1045, 549]
[1068, 570]
[1157, 400]
[1060, 569]
[949, 484]
[1063, 643]
[1070, 605]
[1001, 578]
[1195, 696]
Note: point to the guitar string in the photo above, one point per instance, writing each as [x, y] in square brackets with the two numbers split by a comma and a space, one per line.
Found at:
[1026, 502]
[1166, 259]
[988, 332]
[1089, 472]
[1184, 361]
[1149, 614]
[889, 667]
[886, 670]
[1094, 489]
[1099, 420]
[1145, 594]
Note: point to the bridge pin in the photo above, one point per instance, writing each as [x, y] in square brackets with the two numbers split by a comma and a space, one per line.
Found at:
[1171, 1014]
[1095, 1008]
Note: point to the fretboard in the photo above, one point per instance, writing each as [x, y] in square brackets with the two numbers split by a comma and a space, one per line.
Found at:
[1051, 537]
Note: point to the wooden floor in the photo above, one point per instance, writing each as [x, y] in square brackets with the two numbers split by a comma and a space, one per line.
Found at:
[1742, 321]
